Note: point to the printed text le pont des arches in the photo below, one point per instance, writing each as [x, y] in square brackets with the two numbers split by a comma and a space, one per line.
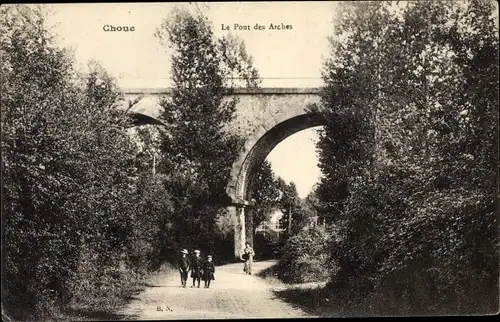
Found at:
[272, 26]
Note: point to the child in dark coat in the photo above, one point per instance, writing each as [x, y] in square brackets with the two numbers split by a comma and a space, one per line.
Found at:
[208, 271]
[183, 267]
[196, 268]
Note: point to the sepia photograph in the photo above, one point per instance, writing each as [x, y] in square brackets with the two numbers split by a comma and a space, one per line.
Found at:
[253, 159]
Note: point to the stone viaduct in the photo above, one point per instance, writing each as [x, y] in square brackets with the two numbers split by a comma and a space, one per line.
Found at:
[265, 117]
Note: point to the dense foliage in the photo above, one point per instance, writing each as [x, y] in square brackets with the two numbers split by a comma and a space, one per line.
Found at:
[410, 156]
[90, 204]
[305, 257]
[268, 244]
[74, 209]
[304, 250]
[266, 194]
[292, 207]
[201, 149]
[272, 193]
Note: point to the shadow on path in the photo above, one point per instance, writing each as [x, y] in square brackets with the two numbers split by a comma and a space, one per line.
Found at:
[233, 294]
[151, 285]
[312, 298]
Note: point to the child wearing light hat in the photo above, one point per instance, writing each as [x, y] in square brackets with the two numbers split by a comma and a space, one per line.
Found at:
[196, 268]
[208, 271]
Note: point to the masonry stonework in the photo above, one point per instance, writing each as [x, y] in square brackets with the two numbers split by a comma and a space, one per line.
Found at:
[264, 117]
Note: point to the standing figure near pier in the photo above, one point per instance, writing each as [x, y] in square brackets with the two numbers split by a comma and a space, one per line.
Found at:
[247, 256]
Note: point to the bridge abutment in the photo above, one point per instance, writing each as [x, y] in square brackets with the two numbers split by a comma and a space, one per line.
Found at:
[238, 217]
[242, 220]
[249, 228]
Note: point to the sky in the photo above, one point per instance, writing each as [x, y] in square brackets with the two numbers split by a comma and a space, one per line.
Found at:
[284, 58]
[295, 159]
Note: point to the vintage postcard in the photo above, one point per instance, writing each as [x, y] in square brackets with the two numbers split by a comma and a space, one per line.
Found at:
[238, 160]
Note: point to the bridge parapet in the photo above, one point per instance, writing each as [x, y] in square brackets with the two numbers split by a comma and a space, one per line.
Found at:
[252, 101]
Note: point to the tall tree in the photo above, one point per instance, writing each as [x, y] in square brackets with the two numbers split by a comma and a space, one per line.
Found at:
[290, 205]
[197, 115]
[266, 194]
[419, 194]
[68, 198]
[350, 92]
[310, 206]
[237, 63]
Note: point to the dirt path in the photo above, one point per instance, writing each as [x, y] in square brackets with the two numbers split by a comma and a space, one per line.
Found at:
[233, 294]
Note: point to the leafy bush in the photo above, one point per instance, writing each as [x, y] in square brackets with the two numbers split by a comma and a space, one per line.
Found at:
[305, 257]
[77, 219]
[268, 244]
[416, 220]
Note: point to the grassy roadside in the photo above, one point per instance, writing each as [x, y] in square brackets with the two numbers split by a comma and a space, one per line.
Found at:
[313, 300]
[310, 297]
[113, 299]
[270, 274]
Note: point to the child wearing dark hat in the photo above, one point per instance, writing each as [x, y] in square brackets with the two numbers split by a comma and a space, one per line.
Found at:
[208, 271]
[183, 267]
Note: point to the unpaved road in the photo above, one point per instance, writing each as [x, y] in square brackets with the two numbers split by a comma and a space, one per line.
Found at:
[233, 294]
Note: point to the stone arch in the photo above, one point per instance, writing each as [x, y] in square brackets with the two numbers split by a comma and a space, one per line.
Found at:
[246, 166]
[139, 119]
[264, 117]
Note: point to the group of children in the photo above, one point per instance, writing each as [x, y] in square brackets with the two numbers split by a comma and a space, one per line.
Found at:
[199, 269]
